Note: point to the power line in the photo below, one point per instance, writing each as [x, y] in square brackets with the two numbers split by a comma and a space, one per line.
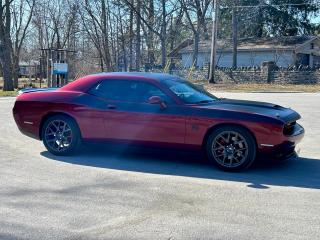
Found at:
[276, 5]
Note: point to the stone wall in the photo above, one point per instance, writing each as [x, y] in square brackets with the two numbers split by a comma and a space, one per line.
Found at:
[255, 75]
[241, 76]
[296, 77]
[277, 76]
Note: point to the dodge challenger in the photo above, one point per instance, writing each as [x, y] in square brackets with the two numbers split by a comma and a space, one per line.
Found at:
[160, 110]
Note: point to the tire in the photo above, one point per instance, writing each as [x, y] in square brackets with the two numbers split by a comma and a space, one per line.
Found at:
[61, 135]
[231, 148]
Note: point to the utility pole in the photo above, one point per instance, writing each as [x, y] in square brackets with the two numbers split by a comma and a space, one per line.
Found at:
[214, 41]
[234, 34]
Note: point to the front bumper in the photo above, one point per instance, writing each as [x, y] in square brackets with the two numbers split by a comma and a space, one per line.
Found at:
[286, 145]
[284, 151]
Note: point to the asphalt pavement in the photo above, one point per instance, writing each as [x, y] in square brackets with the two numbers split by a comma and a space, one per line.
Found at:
[130, 193]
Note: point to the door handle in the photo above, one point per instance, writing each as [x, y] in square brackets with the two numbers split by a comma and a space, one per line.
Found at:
[110, 106]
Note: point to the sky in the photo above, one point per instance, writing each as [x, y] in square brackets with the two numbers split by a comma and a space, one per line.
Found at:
[316, 19]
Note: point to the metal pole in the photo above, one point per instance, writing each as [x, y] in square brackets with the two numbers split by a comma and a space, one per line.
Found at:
[214, 41]
[48, 64]
[234, 34]
[40, 70]
[30, 81]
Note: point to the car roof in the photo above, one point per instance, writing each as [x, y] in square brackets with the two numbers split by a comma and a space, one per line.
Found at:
[82, 84]
[135, 75]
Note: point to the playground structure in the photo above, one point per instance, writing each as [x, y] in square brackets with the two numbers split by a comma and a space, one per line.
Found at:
[54, 66]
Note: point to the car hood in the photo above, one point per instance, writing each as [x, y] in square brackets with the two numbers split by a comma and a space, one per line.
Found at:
[253, 107]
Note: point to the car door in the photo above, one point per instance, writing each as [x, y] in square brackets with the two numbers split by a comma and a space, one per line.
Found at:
[129, 116]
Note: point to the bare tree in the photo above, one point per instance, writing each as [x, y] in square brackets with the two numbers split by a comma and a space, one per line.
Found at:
[122, 40]
[150, 34]
[6, 44]
[176, 24]
[94, 20]
[22, 14]
[197, 23]
[162, 33]
[138, 36]
[127, 34]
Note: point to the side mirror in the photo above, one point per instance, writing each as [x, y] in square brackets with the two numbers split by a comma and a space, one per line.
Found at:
[157, 100]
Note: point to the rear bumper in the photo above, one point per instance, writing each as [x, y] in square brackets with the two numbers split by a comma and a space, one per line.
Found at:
[26, 127]
[29, 133]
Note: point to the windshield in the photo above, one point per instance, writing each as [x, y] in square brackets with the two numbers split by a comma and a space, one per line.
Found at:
[188, 92]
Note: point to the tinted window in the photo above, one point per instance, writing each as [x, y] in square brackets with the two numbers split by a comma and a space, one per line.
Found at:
[129, 91]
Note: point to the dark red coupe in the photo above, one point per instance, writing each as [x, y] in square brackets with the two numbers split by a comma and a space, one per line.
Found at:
[157, 109]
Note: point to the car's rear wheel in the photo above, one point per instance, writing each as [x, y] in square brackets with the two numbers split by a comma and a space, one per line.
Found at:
[231, 148]
[61, 135]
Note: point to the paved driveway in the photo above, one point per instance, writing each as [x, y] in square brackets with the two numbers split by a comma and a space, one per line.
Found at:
[120, 194]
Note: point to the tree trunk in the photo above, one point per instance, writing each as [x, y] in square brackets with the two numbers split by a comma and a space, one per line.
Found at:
[175, 30]
[163, 34]
[163, 52]
[15, 70]
[259, 24]
[195, 48]
[6, 62]
[204, 27]
[138, 40]
[234, 35]
[105, 42]
[150, 40]
[6, 46]
[123, 43]
[101, 61]
[131, 38]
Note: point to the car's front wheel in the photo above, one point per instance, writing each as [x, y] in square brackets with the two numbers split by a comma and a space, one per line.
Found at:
[231, 148]
[61, 135]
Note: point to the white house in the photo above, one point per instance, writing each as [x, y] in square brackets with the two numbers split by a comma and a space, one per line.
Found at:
[284, 51]
[28, 68]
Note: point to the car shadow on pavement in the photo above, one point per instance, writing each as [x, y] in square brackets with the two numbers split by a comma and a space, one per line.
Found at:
[296, 172]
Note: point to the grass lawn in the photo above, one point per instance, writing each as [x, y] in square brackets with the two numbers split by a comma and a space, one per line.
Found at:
[23, 83]
[8, 93]
[254, 87]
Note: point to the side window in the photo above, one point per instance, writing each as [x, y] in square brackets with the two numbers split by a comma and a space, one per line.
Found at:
[104, 89]
[143, 91]
[128, 90]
